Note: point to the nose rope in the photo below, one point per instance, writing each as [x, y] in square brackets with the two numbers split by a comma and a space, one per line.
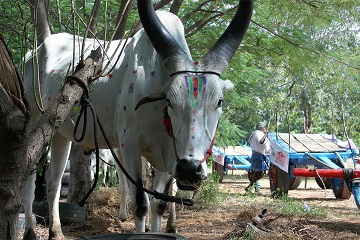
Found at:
[169, 130]
[209, 151]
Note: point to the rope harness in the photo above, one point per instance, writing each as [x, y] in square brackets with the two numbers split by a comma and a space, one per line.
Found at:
[85, 103]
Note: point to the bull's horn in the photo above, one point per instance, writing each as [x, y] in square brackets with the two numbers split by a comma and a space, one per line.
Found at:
[151, 98]
[230, 40]
[162, 40]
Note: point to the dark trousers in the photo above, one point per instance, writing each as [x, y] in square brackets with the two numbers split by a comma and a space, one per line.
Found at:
[254, 177]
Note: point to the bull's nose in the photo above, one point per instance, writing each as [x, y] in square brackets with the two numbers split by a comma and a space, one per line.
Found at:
[190, 170]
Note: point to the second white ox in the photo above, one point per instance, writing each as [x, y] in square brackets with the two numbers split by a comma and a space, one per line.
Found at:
[155, 70]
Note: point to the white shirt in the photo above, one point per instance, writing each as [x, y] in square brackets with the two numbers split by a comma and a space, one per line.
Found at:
[255, 142]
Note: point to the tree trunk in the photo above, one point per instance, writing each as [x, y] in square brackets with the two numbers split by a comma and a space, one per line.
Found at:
[175, 6]
[80, 177]
[40, 19]
[16, 144]
[14, 116]
[307, 111]
[122, 17]
[94, 19]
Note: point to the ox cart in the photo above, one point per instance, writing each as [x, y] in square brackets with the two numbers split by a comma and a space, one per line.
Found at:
[231, 158]
[294, 156]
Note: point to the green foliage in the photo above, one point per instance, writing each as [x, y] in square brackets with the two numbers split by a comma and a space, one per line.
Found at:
[112, 180]
[113, 177]
[291, 47]
[209, 194]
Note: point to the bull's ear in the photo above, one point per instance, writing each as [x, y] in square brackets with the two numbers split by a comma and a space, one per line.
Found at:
[227, 85]
[153, 97]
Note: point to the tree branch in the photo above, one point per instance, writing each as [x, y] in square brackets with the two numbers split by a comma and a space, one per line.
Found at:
[40, 19]
[305, 48]
[94, 18]
[122, 17]
[175, 6]
[60, 107]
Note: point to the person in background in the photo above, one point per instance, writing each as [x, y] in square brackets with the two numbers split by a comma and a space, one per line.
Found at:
[259, 144]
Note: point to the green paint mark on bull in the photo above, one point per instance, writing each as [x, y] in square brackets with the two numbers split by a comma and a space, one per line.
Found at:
[196, 86]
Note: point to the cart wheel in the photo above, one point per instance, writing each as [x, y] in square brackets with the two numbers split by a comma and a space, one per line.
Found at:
[279, 181]
[340, 189]
[327, 183]
[294, 183]
[219, 171]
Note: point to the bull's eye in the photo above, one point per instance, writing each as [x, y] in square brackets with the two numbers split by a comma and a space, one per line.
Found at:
[220, 102]
[168, 103]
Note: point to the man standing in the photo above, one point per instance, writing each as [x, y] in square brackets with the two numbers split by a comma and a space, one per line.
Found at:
[259, 161]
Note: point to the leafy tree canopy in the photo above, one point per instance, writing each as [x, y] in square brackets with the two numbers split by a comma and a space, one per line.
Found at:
[296, 55]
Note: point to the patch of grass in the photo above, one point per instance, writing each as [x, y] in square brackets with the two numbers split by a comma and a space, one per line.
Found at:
[288, 206]
[209, 194]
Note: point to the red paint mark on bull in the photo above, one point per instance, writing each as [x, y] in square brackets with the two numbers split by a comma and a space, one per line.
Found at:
[196, 86]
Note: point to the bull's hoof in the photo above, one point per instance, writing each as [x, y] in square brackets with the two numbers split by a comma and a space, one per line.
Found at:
[29, 234]
[121, 218]
[171, 229]
[56, 235]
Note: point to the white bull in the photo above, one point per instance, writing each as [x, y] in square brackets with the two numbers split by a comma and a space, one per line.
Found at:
[155, 70]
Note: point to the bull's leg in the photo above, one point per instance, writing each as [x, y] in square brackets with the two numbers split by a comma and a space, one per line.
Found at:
[171, 222]
[148, 179]
[124, 191]
[162, 184]
[139, 205]
[60, 150]
[28, 201]
[139, 199]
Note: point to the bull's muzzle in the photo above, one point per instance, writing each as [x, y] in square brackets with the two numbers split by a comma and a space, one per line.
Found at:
[189, 174]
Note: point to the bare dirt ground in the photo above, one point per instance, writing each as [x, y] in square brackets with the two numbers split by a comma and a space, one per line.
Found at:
[329, 218]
